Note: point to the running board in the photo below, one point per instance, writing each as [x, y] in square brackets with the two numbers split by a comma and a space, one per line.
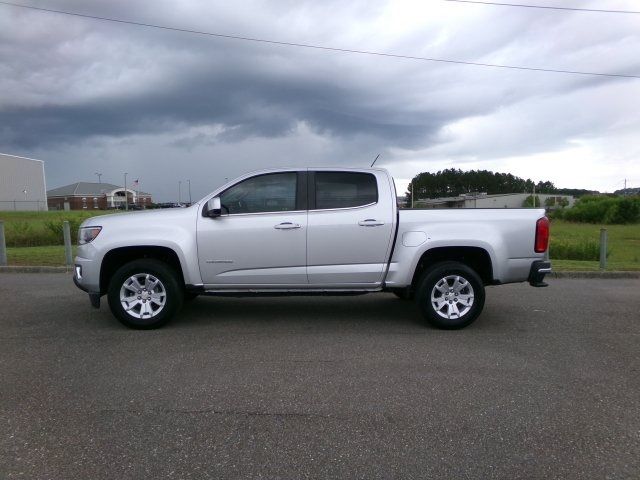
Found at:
[284, 293]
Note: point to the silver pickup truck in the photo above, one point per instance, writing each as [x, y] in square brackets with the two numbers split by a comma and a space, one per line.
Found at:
[305, 232]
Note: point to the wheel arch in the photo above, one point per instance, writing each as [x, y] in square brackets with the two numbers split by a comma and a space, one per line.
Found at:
[476, 258]
[117, 257]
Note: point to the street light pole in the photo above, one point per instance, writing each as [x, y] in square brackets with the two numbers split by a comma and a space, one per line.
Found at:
[126, 197]
[189, 181]
[179, 192]
[99, 177]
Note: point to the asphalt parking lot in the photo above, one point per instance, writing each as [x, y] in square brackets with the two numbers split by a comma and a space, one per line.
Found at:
[546, 384]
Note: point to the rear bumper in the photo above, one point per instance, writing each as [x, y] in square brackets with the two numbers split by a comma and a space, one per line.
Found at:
[539, 269]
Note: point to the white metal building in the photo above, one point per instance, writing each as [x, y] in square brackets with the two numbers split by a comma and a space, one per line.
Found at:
[22, 183]
[482, 200]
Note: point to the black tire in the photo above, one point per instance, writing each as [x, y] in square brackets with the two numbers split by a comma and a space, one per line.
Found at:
[447, 272]
[168, 284]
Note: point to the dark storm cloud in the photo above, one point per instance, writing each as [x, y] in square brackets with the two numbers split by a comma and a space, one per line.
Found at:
[243, 103]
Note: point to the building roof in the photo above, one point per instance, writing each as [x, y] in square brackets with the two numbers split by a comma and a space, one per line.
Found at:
[20, 158]
[87, 189]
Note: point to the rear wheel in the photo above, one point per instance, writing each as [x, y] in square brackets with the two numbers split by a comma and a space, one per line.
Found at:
[144, 294]
[450, 295]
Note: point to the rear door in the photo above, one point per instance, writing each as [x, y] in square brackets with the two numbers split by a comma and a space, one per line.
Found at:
[260, 240]
[350, 227]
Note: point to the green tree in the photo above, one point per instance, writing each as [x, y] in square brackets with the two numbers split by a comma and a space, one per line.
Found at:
[532, 201]
[453, 182]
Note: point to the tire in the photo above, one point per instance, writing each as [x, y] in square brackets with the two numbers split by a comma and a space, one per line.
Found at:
[149, 309]
[462, 283]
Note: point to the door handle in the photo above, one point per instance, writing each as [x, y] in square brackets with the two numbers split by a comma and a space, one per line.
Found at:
[370, 222]
[287, 226]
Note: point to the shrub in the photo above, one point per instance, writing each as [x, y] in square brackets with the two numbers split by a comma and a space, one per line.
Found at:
[601, 209]
[532, 201]
[55, 229]
[582, 250]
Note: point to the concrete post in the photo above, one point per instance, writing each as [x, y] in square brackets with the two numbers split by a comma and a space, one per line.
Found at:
[66, 230]
[603, 248]
[3, 246]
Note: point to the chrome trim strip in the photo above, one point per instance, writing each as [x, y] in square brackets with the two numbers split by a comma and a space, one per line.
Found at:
[342, 208]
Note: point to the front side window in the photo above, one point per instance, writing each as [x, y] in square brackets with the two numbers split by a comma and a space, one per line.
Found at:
[274, 192]
[345, 189]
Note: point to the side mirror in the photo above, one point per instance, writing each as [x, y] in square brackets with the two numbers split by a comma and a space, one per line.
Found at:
[214, 207]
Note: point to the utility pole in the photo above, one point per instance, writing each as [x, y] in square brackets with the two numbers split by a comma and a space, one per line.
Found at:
[99, 177]
[411, 194]
[179, 192]
[126, 197]
[189, 181]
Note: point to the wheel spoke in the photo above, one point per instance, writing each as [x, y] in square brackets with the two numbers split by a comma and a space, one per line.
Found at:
[459, 285]
[454, 310]
[136, 283]
[439, 303]
[464, 298]
[132, 305]
[442, 286]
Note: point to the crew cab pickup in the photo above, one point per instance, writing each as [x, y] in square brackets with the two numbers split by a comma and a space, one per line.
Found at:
[308, 231]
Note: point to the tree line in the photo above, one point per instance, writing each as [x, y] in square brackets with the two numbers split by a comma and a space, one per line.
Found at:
[452, 182]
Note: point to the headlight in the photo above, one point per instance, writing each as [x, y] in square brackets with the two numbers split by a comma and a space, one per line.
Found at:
[87, 234]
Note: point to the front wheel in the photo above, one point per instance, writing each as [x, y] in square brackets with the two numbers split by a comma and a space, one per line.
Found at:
[450, 295]
[144, 294]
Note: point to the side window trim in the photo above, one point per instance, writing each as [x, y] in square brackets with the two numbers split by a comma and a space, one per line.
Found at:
[311, 186]
[302, 198]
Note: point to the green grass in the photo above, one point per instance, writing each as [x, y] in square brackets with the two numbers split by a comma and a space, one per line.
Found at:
[623, 244]
[35, 229]
[624, 240]
[52, 255]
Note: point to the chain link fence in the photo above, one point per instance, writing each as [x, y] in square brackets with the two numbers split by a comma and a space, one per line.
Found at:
[23, 205]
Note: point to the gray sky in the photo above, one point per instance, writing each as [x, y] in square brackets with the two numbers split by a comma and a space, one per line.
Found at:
[89, 96]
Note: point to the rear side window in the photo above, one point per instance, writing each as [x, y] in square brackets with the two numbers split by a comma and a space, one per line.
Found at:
[345, 189]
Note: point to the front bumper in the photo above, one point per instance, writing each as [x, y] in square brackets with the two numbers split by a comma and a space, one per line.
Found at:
[94, 297]
[539, 269]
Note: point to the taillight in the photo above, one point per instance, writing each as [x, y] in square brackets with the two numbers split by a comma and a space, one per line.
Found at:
[542, 235]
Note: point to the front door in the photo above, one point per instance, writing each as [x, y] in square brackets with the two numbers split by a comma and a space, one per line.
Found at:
[260, 239]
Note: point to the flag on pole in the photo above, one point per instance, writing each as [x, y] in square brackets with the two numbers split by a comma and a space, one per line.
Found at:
[135, 183]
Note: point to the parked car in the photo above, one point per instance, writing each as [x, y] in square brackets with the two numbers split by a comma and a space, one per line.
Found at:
[304, 232]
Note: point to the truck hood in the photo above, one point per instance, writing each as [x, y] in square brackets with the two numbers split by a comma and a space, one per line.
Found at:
[143, 218]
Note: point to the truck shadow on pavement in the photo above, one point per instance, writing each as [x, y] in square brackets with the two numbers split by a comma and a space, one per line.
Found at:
[328, 311]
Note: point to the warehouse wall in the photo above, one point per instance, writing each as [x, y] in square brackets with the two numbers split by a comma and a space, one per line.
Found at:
[18, 174]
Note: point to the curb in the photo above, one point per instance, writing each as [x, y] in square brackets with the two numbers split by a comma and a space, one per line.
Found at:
[35, 269]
